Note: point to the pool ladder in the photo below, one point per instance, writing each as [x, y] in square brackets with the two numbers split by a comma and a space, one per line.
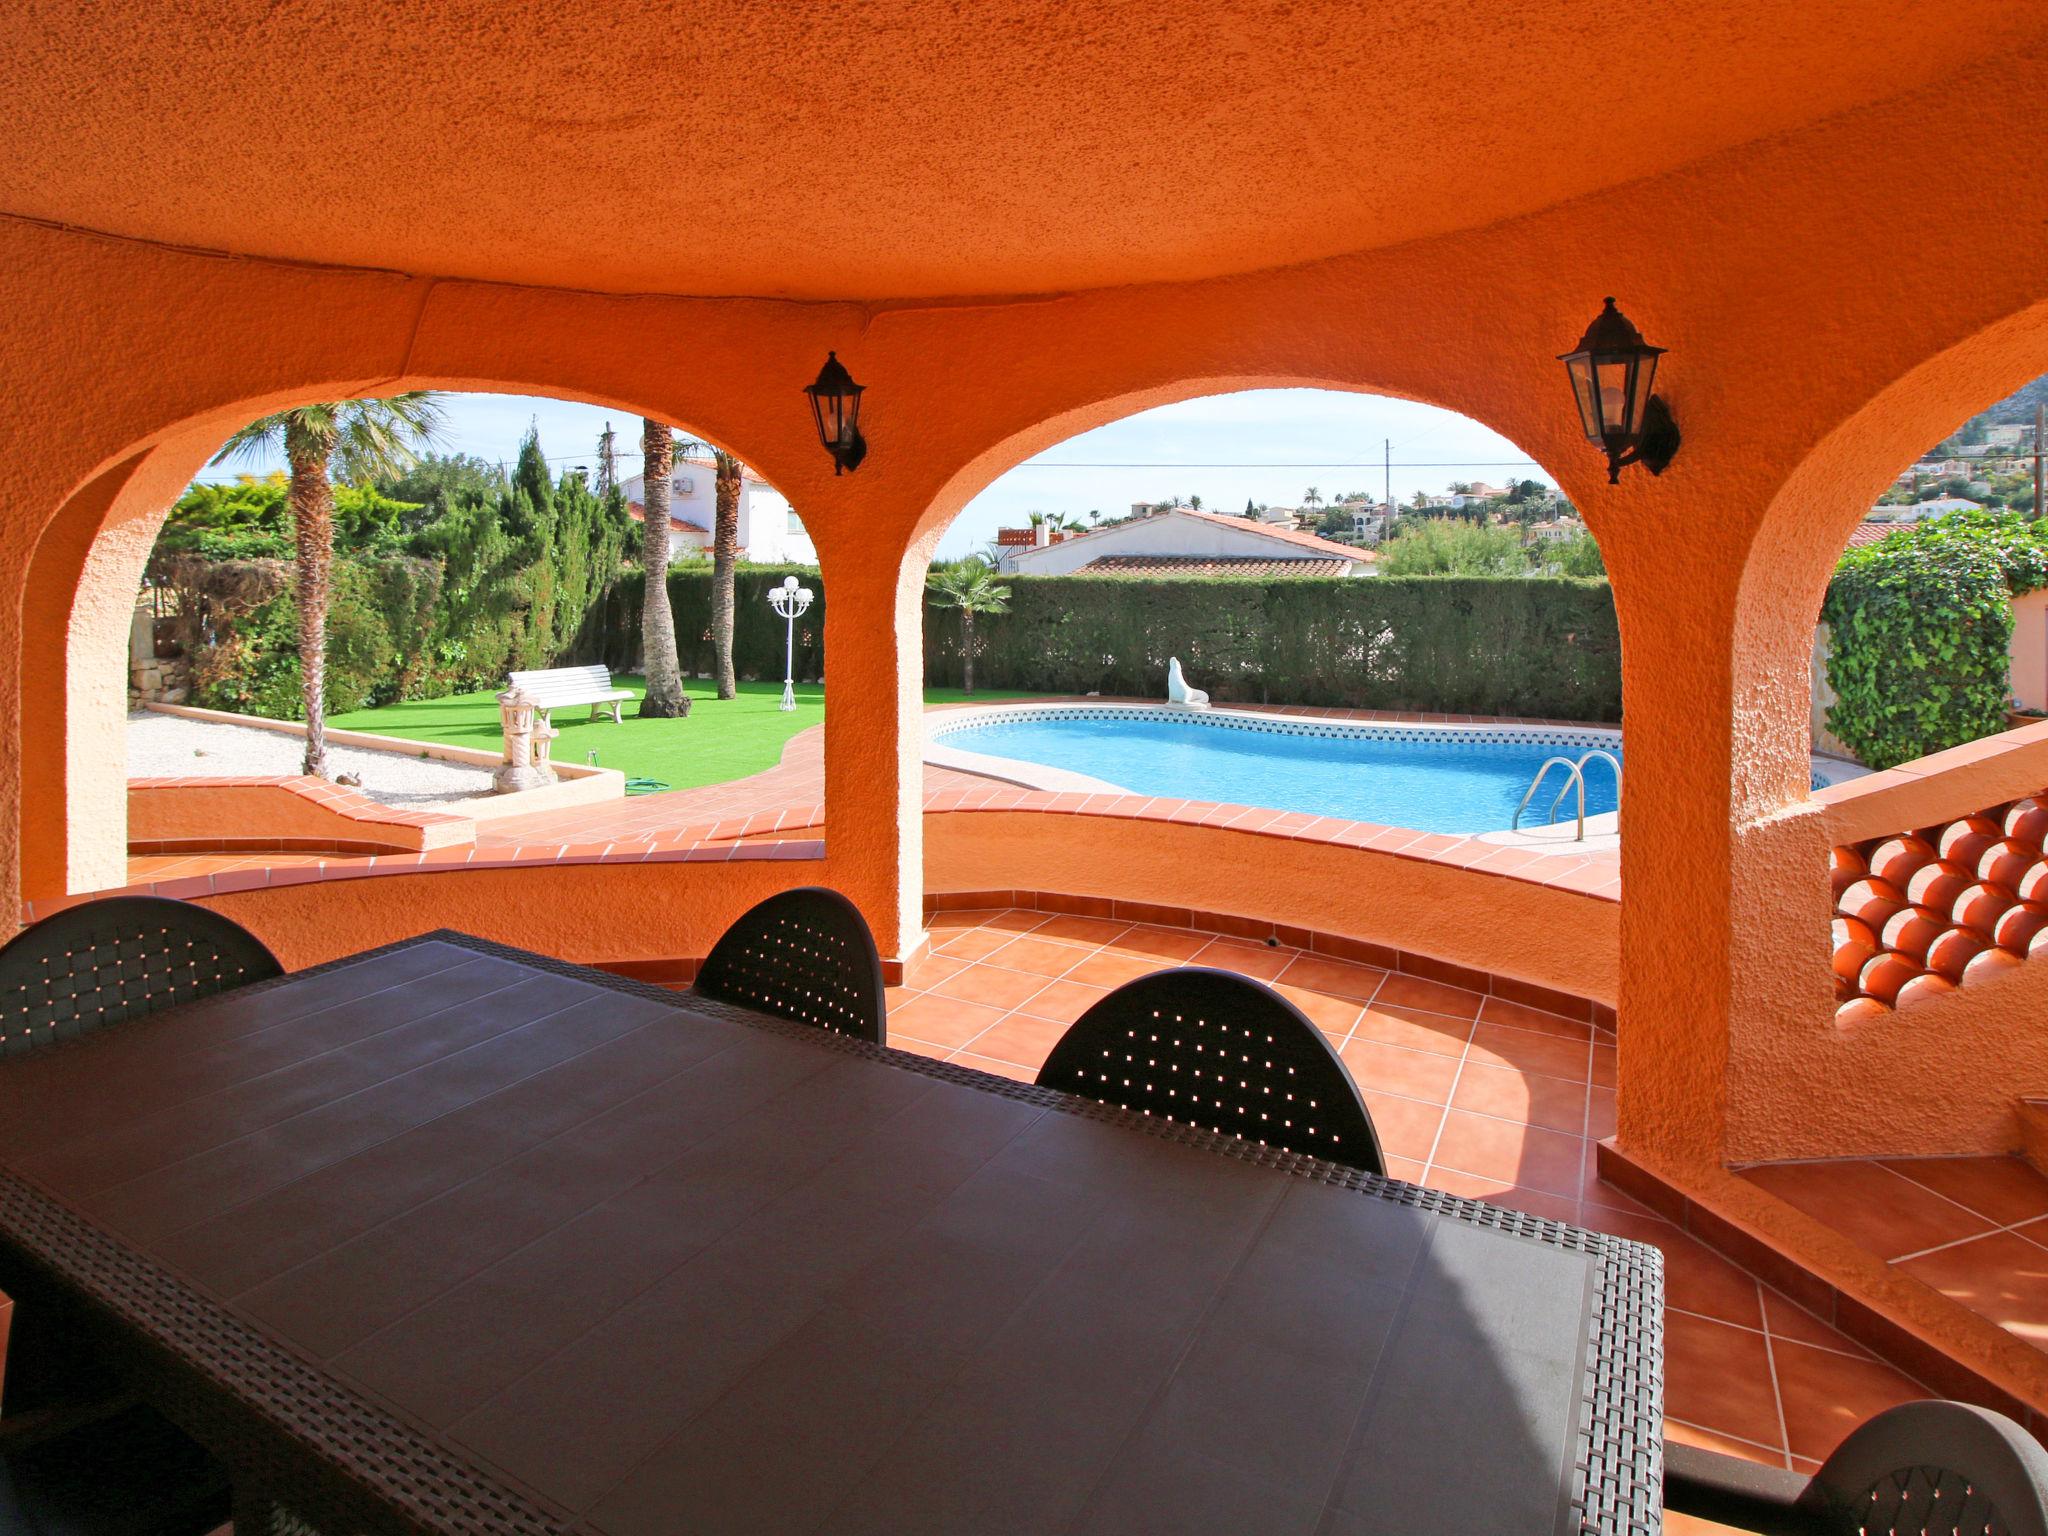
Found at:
[1575, 773]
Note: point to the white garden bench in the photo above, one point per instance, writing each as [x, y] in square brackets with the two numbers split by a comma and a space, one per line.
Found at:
[559, 686]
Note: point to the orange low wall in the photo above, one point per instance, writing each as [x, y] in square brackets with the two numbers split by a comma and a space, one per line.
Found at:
[259, 815]
[1937, 1079]
[1567, 941]
[591, 912]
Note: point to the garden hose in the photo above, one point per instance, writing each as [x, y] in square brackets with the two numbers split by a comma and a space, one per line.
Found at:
[644, 786]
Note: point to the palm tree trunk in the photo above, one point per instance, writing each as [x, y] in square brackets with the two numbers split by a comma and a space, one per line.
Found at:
[967, 649]
[312, 503]
[725, 553]
[664, 672]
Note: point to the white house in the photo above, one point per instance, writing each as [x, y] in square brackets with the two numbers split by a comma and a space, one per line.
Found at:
[1183, 542]
[770, 532]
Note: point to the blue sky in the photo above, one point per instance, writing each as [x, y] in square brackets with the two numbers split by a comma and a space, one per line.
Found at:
[1267, 445]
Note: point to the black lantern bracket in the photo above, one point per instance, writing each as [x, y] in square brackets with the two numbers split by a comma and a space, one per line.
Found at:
[1658, 445]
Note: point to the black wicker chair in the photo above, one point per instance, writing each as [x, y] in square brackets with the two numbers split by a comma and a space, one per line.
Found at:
[1221, 1051]
[100, 962]
[805, 955]
[1921, 1469]
[126, 1472]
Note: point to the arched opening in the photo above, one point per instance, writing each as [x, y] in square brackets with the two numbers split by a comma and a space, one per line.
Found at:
[1052, 877]
[447, 576]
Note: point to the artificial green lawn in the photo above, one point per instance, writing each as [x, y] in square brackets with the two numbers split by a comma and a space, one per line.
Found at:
[717, 741]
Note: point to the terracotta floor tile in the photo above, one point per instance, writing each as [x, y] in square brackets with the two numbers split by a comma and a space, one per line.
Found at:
[1786, 1319]
[1332, 1015]
[973, 943]
[1417, 1031]
[1719, 1377]
[1019, 1039]
[1498, 1010]
[1406, 1127]
[990, 985]
[1244, 957]
[927, 971]
[1163, 946]
[944, 1021]
[1016, 920]
[2003, 1277]
[1403, 1168]
[1517, 1154]
[1105, 969]
[1420, 1075]
[1603, 1066]
[1705, 1439]
[1600, 1120]
[1869, 1204]
[1062, 1001]
[1414, 992]
[1334, 978]
[2003, 1189]
[1550, 1102]
[1039, 956]
[954, 920]
[1497, 1045]
[1826, 1395]
[1072, 929]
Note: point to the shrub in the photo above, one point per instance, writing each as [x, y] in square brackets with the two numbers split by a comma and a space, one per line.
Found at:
[1920, 633]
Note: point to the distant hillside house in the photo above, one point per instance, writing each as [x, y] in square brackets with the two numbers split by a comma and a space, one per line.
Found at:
[770, 532]
[1183, 542]
[1915, 511]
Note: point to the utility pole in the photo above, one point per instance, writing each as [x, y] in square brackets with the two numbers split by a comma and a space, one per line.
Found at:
[1389, 442]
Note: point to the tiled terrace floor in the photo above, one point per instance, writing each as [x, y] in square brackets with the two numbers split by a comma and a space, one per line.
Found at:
[1472, 1094]
[1973, 1228]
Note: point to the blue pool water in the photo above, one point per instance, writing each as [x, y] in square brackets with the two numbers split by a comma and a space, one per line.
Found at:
[1434, 782]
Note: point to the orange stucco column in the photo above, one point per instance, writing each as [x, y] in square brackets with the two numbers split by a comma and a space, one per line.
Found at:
[874, 737]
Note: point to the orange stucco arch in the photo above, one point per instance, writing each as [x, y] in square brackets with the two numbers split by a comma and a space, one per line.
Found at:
[83, 576]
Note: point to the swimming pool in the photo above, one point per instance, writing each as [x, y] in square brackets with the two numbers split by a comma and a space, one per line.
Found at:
[1452, 779]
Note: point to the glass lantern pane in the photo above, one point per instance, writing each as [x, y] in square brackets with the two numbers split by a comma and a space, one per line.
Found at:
[1581, 371]
[1646, 374]
[1613, 376]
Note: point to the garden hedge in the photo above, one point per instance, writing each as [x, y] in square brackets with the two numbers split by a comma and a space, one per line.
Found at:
[1460, 645]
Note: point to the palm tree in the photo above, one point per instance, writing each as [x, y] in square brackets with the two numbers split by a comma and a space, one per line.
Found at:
[365, 440]
[664, 671]
[725, 554]
[1194, 503]
[1311, 497]
[971, 587]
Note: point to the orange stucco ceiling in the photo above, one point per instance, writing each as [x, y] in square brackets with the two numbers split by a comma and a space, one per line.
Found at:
[905, 147]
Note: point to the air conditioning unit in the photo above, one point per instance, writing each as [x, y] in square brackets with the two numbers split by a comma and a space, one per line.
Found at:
[682, 485]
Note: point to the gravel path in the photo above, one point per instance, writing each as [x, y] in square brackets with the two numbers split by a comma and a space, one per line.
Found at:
[171, 746]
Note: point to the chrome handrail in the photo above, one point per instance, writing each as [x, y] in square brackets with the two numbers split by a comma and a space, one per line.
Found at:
[1573, 773]
[1585, 758]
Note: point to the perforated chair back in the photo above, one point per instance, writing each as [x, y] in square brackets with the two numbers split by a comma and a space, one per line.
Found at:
[1920, 1469]
[1221, 1051]
[805, 955]
[1935, 1469]
[100, 962]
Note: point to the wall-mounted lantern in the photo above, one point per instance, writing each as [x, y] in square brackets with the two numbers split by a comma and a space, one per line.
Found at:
[835, 406]
[1611, 371]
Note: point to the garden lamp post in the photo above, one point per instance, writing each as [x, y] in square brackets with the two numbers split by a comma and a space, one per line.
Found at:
[789, 600]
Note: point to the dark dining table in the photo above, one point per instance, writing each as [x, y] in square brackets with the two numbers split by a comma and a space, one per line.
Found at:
[449, 1237]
